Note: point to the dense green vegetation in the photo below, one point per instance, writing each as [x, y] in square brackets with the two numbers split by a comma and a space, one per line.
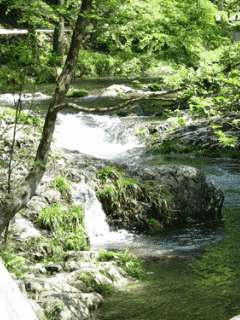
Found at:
[125, 38]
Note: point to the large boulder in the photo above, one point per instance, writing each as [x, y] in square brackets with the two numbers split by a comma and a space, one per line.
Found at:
[156, 199]
[117, 90]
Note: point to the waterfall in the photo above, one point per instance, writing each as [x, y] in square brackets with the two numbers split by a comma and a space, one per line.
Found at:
[103, 137]
[95, 219]
[113, 138]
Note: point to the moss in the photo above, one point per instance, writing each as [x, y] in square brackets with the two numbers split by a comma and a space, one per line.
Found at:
[90, 281]
[130, 263]
[155, 87]
[77, 93]
[175, 146]
[154, 225]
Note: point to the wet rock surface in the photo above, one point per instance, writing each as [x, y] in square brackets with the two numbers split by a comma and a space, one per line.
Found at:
[156, 199]
[214, 136]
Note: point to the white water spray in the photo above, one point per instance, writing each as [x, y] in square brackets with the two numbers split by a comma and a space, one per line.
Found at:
[103, 137]
[97, 228]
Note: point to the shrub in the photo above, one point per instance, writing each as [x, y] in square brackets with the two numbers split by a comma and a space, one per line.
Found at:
[66, 225]
[77, 93]
[15, 264]
[61, 184]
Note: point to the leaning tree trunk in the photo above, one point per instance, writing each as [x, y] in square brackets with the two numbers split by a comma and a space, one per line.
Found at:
[58, 35]
[19, 197]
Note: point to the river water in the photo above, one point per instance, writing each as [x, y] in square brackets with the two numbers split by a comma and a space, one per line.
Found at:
[171, 289]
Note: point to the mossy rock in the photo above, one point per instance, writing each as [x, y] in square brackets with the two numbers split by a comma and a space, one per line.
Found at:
[153, 200]
[77, 93]
[155, 87]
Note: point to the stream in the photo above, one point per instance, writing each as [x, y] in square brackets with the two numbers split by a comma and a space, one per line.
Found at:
[177, 284]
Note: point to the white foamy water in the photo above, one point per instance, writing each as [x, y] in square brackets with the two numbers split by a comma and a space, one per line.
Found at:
[103, 137]
[95, 219]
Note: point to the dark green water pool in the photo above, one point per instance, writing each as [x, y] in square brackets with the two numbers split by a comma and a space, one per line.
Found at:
[190, 286]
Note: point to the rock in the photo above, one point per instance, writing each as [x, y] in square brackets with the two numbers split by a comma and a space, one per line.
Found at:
[194, 197]
[102, 279]
[37, 309]
[23, 229]
[82, 255]
[34, 285]
[52, 196]
[53, 267]
[13, 304]
[19, 138]
[38, 269]
[166, 196]
[115, 273]
[235, 318]
[36, 204]
[61, 300]
[214, 136]
[21, 286]
[118, 90]
[72, 265]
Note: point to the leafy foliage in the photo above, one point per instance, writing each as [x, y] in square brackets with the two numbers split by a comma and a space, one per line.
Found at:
[15, 264]
[66, 226]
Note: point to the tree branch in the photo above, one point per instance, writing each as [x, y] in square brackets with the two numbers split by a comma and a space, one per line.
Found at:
[129, 103]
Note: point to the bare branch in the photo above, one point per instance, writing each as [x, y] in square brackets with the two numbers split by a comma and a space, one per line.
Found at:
[129, 103]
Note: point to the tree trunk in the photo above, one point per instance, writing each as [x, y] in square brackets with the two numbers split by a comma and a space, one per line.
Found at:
[58, 36]
[19, 197]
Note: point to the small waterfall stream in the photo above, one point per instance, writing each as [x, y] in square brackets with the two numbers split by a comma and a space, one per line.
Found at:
[114, 139]
[103, 137]
[97, 228]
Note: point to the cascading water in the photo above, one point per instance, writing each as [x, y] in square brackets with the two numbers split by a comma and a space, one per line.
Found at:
[97, 228]
[113, 138]
[103, 137]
